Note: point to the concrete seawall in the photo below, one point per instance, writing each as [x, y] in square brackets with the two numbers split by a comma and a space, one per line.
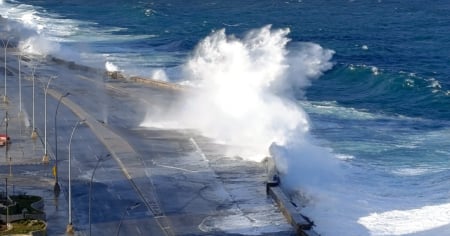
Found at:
[156, 83]
[301, 224]
[116, 75]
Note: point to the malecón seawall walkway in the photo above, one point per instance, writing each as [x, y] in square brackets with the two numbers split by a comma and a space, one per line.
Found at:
[128, 160]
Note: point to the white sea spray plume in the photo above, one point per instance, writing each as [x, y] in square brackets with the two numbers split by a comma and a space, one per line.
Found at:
[29, 27]
[234, 100]
[243, 97]
[39, 33]
[238, 100]
[39, 45]
[246, 99]
[159, 74]
[111, 67]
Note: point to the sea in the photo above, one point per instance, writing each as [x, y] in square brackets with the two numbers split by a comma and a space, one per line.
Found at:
[351, 98]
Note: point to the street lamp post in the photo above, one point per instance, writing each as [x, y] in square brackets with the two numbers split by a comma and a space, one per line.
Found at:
[129, 208]
[69, 228]
[19, 58]
[6, 133]
[99, 159]
[5, 46]
[57, 188]
[7, 202]
[33, 132]
[45, 157]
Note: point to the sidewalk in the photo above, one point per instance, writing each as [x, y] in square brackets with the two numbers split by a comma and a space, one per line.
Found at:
[22, 168]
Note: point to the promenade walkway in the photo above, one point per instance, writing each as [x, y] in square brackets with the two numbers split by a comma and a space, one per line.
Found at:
[213, 195]
[22, 168]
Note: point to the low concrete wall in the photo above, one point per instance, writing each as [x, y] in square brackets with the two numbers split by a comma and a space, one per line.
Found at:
[302, 225]
[118, 75]
[39, 233]
[156, 83]
[11, 218]
[39, 205]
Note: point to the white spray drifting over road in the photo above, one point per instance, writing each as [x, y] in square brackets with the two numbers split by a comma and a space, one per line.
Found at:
[243, 98]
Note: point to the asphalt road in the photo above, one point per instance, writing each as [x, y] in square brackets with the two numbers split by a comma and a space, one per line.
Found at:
[156, 181]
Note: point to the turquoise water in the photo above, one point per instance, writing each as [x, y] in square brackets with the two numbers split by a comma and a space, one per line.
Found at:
[382, 108]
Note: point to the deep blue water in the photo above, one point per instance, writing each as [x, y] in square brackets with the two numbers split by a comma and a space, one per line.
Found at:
[402, 40]
[385, 103]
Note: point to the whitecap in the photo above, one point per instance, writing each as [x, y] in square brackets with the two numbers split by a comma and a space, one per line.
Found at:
[409, 82]
[401, 222]
[413, 171]
[434, 83]
[375, 70]
[332, 107]
[344, 157]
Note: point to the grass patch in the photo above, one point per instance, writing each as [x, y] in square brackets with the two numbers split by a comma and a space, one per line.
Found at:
[25, 226]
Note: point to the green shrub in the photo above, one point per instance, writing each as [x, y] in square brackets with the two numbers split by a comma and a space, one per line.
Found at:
[22, 202]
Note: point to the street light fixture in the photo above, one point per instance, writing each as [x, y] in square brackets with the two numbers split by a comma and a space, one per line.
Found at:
[6, 133]
[19, 58]
[5, 46]
[57, 188]
[7, 202]
[33, 132]
[99, 159]
[129, 208]
[69, 228]
[45, 157]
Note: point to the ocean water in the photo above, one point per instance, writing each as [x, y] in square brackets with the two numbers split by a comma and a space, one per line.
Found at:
[352, 98]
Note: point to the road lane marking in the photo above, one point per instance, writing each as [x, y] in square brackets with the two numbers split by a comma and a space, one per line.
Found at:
[173, 167]
[197, 148]
[138, 230]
